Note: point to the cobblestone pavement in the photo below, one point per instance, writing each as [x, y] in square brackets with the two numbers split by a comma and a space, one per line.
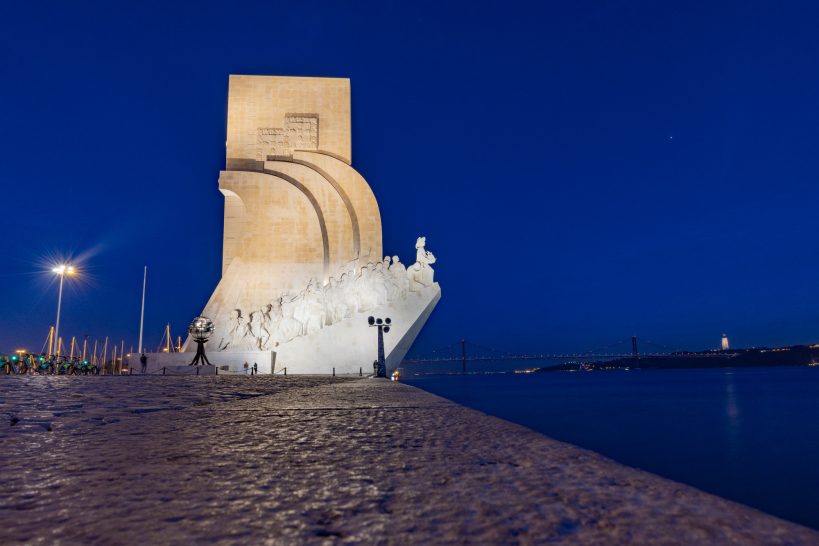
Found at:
[291, 460]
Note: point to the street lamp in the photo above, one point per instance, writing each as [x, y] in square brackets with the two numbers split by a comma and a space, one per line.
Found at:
[383, 328]
[62, 270]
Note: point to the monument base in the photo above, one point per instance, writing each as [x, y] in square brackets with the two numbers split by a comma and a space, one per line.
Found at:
[348, 347]
[351, 346]
[240, 362]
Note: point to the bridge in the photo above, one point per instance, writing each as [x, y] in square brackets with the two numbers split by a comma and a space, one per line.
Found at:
[451, 353]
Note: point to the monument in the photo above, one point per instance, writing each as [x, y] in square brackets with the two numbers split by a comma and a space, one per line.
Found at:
[303, 263]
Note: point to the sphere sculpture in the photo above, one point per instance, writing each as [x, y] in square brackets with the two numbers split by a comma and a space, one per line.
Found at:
[200, 330]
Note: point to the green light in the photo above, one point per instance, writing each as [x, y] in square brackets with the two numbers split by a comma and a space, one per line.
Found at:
[14, 358]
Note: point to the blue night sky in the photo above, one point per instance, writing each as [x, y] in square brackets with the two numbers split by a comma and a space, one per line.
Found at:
[584, 171]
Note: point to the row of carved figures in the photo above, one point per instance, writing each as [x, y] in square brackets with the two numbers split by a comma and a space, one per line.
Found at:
[289, 316]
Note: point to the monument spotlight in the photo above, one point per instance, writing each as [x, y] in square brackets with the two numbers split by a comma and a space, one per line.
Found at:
[200, 330]
[64, 269]
[380, 364]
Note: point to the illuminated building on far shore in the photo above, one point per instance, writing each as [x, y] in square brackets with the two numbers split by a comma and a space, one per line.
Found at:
[725, 344]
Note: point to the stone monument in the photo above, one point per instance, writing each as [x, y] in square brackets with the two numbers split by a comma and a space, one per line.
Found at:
[302, 255]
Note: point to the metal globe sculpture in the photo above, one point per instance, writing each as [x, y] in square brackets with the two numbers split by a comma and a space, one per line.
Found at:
[200, 330]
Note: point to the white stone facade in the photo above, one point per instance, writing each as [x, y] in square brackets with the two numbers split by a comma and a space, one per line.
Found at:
[302, 263]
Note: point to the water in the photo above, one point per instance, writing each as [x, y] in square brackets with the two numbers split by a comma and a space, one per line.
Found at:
[749, 435]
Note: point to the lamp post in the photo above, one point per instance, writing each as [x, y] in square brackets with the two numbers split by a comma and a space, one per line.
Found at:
[383, 328]
[62, 270]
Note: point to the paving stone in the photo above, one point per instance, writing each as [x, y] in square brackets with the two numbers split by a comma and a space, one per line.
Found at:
[316, 460]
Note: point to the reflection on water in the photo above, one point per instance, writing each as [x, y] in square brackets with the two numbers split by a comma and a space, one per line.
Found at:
[750, 435]
[732, 416]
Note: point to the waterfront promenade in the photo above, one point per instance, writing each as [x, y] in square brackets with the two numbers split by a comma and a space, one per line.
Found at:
[284, 460]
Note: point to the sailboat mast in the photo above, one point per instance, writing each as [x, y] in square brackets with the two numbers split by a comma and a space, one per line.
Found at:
[105, 352]
[142, 313]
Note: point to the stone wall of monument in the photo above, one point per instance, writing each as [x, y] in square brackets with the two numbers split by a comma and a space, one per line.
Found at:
[259, 108]
[302, 247]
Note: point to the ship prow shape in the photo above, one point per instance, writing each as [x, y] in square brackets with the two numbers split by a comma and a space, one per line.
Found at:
[323, 328]
[349, 346]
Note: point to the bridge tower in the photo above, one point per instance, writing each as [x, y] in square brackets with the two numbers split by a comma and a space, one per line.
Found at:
[634, 352]
[463, 355]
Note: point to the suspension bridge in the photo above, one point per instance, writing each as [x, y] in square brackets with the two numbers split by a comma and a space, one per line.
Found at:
[464, 352]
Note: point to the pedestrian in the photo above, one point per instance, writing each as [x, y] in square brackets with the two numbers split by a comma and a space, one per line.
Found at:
[255, 369]
[144, 361]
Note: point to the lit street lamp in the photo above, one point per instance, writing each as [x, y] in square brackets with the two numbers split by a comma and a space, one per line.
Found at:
[383, 328]
[62, 270]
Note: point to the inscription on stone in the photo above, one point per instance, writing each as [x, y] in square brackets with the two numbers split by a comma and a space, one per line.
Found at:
[300, 132]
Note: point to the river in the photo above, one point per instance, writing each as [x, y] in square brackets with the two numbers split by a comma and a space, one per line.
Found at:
[746, 434]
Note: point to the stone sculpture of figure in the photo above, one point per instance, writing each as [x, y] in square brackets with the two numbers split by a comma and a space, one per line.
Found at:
[387, 285]
[311, 311]
[318, 308]
[271, 318]
[258, 333]
[363, 291]
[250, 341]
[379, 280]
[348, 294]
[370, 289]
[236, 331]
[289, 327]
[399, 275]
[334, 300]
[421, 274]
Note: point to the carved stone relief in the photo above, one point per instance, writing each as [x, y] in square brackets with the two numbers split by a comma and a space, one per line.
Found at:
[355, 289]
[300, 132]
